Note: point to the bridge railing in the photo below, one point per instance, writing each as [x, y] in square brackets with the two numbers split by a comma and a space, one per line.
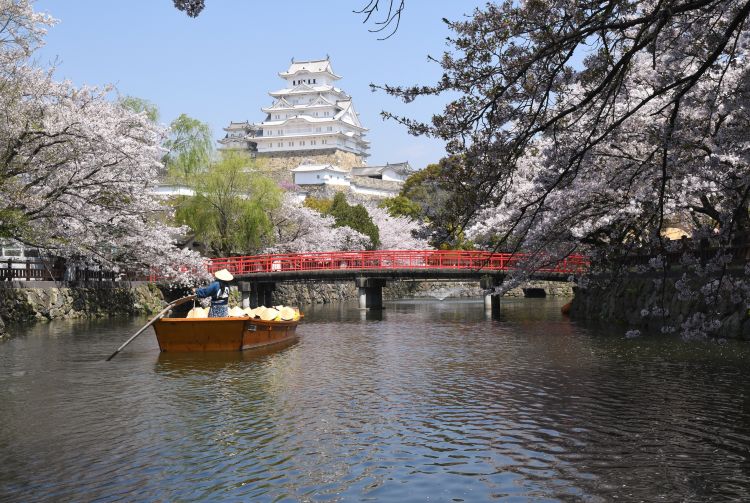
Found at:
[388, 260]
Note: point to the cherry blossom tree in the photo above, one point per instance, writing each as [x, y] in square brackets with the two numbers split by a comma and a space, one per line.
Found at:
[190, 7]
[299, 229]
[594, 126]
[76, 168]
[397, 232]
[189, 148]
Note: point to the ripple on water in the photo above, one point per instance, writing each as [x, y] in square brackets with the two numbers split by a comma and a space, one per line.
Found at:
[426, 400]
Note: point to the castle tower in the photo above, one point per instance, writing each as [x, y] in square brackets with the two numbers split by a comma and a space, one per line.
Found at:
[310, 121]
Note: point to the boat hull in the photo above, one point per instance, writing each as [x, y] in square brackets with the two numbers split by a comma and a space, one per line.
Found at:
[221, 334]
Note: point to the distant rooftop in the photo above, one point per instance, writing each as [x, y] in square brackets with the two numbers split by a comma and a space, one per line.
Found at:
[400, 167]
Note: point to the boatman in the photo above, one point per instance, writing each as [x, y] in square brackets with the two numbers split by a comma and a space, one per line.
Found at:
[219, 293]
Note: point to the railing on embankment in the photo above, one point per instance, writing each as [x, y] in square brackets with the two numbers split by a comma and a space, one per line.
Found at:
[383, 260]
[38, 269]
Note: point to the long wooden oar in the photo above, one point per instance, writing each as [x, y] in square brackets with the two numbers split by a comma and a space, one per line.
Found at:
[144, 327]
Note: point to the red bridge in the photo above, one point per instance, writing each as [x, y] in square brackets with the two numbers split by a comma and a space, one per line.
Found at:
[388, 260]
[371, 269]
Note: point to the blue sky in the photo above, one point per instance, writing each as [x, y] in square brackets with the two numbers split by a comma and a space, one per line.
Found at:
[221, 65]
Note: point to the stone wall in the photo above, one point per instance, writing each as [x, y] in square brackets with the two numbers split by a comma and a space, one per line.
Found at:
[299, 294]
[325, 293]
[54, 302]
[365, 182]
[323, 191]
[623, 300]
[278, 165]
[551, 288]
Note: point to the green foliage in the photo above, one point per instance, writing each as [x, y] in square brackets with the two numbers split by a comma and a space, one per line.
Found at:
[355, 217]
[322, 206]
[231, 210]
[428, 195]
[190, 147]
[139, 105]
[346, 215]
[401, 206]
[13, 223]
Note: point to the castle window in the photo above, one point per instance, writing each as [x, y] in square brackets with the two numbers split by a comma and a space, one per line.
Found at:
[291, 144]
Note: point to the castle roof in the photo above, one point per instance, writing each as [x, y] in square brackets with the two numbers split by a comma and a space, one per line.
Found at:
[315, 120]
[237, 125]
[282, 104]
[304, 88]
[400, 167]
[314, 66]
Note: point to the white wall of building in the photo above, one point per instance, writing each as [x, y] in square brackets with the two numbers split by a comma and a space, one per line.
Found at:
[172, 190]
[391, 175]
[320, 177]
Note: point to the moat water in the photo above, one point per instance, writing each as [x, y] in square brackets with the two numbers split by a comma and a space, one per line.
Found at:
[428, 400]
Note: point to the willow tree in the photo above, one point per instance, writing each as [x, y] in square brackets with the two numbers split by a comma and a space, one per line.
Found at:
[593, 125]
[231, 210]
[189, 148]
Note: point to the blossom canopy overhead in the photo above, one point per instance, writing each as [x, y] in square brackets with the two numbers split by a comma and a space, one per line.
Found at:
[596, 126]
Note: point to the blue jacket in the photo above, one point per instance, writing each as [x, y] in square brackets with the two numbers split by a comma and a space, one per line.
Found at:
[219, 296]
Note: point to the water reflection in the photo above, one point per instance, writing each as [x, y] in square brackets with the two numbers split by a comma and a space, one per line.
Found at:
[425, 400]
[177, 364]
[372, 314]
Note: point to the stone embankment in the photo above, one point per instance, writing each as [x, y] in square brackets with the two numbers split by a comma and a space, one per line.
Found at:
[626, 300]
[325, 293]
[47, 302]
[44, 302]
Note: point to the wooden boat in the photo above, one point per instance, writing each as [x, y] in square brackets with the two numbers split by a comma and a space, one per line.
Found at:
[221, 334]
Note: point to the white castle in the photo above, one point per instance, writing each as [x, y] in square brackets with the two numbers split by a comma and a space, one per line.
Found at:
[309, 114]
[312, 136]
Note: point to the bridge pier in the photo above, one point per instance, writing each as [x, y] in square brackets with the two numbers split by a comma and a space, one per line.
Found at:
[256, 294]
[370, 292]
[491, 302]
